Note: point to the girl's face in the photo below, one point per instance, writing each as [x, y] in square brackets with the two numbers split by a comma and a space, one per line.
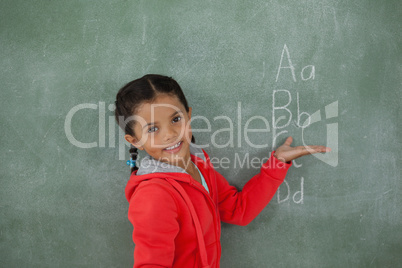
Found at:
[162, 128]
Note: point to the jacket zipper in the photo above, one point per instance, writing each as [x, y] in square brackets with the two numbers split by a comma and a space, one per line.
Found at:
[216, 217]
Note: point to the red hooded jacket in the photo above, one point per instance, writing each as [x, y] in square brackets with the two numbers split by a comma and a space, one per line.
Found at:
[177, 222]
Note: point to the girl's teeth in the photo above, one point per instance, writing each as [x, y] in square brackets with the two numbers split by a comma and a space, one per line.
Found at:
[174, 146]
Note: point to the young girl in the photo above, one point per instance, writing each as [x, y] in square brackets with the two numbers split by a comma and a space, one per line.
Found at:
[176, 198]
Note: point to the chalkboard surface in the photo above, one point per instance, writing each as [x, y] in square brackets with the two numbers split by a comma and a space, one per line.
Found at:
[255, 72]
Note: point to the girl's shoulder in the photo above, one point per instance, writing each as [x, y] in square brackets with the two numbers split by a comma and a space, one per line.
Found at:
[154, 190]
[156, 183]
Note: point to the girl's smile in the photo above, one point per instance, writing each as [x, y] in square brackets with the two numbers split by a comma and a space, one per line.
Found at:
[175, 148]
[162, 129]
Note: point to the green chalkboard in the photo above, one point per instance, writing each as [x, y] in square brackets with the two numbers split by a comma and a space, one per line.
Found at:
[323, 72]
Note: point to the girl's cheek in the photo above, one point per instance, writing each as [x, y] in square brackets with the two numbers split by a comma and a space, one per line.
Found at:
[187, 124]
[147, 137]
[189, 132]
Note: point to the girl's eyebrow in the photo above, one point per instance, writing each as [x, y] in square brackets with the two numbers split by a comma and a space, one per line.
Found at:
[177, 112]
[152, 123]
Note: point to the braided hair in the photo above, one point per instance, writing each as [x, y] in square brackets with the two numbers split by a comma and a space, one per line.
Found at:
[133, 94]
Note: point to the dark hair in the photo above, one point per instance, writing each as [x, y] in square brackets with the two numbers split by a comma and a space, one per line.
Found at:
[136, 92]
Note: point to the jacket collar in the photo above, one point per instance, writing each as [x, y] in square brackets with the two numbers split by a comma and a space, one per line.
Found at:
[150, 165]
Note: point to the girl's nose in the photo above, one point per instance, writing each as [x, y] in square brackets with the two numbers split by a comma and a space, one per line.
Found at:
[170, 134]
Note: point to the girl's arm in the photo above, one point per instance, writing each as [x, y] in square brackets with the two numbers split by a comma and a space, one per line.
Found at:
[242, 207]
[153, 213]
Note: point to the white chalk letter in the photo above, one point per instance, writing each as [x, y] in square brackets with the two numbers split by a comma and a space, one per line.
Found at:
[312, 73]
[279, 193]
[299, 115]
[291, 67]
[301, 193]
[274, 108]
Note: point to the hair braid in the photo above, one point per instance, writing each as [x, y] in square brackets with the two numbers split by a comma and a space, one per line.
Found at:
[133, 157]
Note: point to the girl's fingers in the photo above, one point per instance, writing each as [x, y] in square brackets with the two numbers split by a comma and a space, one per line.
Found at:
[285, 153]
[313, 149]
[288, 141]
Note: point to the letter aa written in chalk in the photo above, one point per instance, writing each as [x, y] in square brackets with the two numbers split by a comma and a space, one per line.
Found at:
[307, 72]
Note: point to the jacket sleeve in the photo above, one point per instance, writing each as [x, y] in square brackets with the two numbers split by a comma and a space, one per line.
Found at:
[153, 213]
[242, 207]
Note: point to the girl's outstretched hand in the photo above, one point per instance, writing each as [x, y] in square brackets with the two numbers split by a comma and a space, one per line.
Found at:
[285, 153]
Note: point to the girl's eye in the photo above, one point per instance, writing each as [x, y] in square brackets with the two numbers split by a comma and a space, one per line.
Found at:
[177, 119]
[152, 129]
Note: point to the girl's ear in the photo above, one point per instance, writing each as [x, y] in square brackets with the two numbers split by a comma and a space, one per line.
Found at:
[133, 141]
[189, 112]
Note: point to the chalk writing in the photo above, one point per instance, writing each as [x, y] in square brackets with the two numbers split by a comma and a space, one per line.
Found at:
[291, 67]
[284, 193]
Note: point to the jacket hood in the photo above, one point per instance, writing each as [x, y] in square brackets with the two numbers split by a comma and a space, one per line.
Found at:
[151, 168]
